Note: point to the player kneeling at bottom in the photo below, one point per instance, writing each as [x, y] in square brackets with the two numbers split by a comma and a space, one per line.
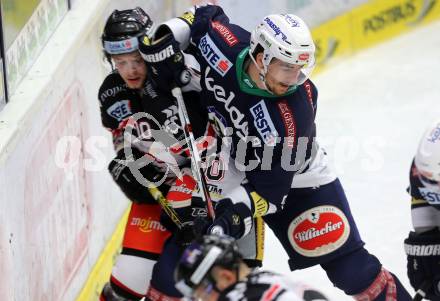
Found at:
[212, 268]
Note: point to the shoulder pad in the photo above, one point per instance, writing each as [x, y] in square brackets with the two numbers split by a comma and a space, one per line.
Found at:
[111, 86]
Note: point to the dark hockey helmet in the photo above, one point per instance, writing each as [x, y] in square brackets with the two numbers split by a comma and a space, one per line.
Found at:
[200, 257]
[122, 30]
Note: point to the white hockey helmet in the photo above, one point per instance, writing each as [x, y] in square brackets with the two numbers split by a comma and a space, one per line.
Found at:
[287, 38]
[427, 159]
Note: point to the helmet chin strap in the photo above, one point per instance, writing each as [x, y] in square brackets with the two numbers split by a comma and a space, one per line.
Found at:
[261, 74]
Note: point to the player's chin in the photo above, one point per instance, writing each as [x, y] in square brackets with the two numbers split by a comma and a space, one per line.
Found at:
[134, 83]
[280, 90]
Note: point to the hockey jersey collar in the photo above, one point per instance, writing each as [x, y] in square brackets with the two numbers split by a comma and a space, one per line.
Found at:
[247, 85]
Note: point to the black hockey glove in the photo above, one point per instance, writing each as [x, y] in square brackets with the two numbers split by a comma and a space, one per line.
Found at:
[121, 170]
[165, 62]
[231, 219]
[423, 267]
[188, 208]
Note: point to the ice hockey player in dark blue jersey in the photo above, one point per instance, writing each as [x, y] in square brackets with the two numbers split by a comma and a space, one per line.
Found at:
[259, 97]
[423, 245]
[212, 269]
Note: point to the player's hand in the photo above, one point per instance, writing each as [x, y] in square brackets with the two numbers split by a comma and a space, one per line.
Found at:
[188, 208]
[135, 188]
[423, 267]
[231, 219]
[165, 62]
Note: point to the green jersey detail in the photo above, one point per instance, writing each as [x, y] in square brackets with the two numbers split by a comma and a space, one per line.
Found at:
[247, 85]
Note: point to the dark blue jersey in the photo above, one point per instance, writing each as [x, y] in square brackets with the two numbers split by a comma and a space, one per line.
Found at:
[250, 116]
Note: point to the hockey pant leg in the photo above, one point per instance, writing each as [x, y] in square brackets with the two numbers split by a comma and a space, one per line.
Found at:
[316, 227]
[162, 282]
[143, 241]
[368, 281]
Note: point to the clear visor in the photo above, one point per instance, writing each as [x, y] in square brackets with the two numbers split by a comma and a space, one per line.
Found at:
[289, 74]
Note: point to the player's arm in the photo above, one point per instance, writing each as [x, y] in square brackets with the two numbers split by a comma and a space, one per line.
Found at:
[167, 64]
[191, 25]
[109, 105]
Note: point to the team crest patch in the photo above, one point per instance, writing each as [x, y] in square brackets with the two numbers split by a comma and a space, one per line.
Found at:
[319, 231]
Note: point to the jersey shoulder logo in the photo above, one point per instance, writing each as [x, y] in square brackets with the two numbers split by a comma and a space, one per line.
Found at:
[263, 123]
[119, 110]
[188, 17]
[111, 92]
[225, 33]
[319, 231]
[213, 56]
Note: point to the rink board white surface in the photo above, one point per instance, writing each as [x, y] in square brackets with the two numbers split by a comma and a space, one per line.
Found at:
[372, 111]
[58, 204]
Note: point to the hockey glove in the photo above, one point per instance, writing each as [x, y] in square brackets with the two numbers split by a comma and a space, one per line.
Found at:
[231, 219]
[188, 208]
[121, 170]
[423, 267]
[165, 62]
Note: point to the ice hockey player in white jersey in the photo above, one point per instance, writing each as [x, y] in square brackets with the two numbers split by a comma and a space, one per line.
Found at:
[212, 269]
[423, 245]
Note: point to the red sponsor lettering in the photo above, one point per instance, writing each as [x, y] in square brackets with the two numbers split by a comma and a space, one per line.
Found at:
[225, 33]
[319, 231]
[289, 122]
[304, 56]
[309, 93]
[310, 236]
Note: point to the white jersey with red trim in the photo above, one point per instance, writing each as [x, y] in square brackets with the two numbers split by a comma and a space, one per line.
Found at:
[268, 286]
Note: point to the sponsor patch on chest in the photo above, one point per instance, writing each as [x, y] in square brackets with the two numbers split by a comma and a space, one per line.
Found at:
[215, 58]
[319, 231]
[263, 123]
[119, 110]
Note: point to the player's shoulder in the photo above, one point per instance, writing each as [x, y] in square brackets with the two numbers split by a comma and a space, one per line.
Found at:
[308, 91]
[112, 85]
[215, 35]
[261, 284]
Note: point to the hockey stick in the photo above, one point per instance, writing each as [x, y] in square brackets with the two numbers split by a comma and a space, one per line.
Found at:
[163, 202]
[194, 152]
[420, 293]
